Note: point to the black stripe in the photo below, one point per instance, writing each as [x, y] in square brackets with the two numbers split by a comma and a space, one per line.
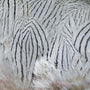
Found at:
[70, 44]
[80, 13]
[82, 40]
[75, 16]
[42, 9]
[67, 35]
[56, 11]
[53, 22]
[69, 22]
[62, 57]
[52, 38]
[66, 15]
[16, 47]
[35, 6]
[37, 9]
[49, 15]
[8, 16]
[40, 38]
[32, 50]
[56, 63]
[67, 29]
[22, 70]
[25, 34]
[29, 46]
[47, 24]
[60, 14]
[67, 57]
[38, 34]
[14, 38]
[45, 38]
[14, 9]
[26, 49]
[22, 77]
[4, 24]
[27, 8]
[80, 21]
[36, 42]
[53, 46]
[34, 3]
[86, 49]
[80, 32]
[8, 6]
[85, 17]
[48, 8]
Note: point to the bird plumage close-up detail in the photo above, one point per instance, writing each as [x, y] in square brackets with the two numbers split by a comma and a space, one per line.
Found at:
[44, 45]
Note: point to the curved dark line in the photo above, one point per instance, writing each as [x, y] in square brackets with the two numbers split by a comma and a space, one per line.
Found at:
[68, 42]
[80, 32]
[53, 22]
[53, 46]
[60, 15]
[56, 64]
[69, 22]
[14, 9]
[32, 3]
[26, 27]
[49, 15]
[82, 40]
[22, 77]
[67, 57]
[66, 15]
[67, 35]
[47, 24]
[56, 11]
[35, 39]
[35, 6]
[62, 57]
[37, 9]
[23, 10]
[67, 29]
[86, 49]
[14, 38]
[40, 38]
[73, 55]
[75, 16]
[80, 20]
[27, 9]
[71, 47]
[42, 9]
[4, 24]
[45, 38]
[52, 39]
[25, 35]
[8, 16]
[36, 42]
[48, 8]
[32, 49]
[26, 49]
[85, 17]
[16, 48]
[38, 34]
